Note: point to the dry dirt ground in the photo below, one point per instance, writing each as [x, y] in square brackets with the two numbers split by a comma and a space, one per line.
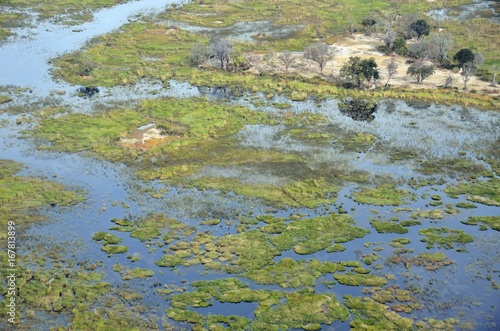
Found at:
[366, 47]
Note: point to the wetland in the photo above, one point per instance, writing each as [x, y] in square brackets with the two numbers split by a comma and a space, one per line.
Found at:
[149, 193]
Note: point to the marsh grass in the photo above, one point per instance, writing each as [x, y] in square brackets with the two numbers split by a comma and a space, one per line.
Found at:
[445, 237]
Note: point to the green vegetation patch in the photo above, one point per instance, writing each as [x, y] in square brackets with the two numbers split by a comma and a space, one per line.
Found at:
[290, 273]
[491, 221]
[465, 205]
[453, 166]
[20, 197]
[388, 227]
[384, 195]
[128, 274]
[115, 249]
[246, 251]
[371, 315]
[487, 193]
[304, 310]
[357, 279]
[108, 238]
[276, 310]
[430, 213]
[408, 223]
[400, 242]
[444, 237]
[195, 133]
[310, 235]
[149, 227]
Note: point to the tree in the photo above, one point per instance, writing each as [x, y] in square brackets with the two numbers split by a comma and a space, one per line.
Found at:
[356, 71]
[420, 28]
[319, 53]
[221, 50]
[389, 38]
[351, 27]
[392, 68]
[370, 70]
[420, 71]
[464, 56]
[200, 54]
[399, 47]
[287, 59]
[441, 43]
[494, 69]
[421, 49]
[478, 59]
[468, 70]
[448, 82]
[368, 24]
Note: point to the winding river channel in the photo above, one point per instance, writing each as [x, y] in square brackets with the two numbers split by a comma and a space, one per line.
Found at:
[461, 290]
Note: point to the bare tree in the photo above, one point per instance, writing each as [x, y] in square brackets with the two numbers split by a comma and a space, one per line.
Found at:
[351, 27]
[449, 81]
[319, 53]
[200, 54]
[468, 70]
[389, 38]
[287, 59]
[368, 24]
[405, 23]
[222, 49]
[441, 43]
[252, 60]
[494, 81]
[392, 68]
[478, 59]
[421, 49]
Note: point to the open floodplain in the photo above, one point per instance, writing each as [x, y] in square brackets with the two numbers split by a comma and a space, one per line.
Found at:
[142, 191]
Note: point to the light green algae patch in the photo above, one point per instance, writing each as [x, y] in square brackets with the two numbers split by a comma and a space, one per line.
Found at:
[491, 221]
[307, 236]
[445, 237]
[384, 195]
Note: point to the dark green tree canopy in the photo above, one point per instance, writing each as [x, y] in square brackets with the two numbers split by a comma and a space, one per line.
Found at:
[356, 71]
[421, 28]
[464, 56]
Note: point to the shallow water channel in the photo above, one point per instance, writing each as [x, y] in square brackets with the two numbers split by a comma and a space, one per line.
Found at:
[462, 290]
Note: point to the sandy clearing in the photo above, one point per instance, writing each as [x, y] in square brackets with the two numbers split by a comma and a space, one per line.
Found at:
[366, 47]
